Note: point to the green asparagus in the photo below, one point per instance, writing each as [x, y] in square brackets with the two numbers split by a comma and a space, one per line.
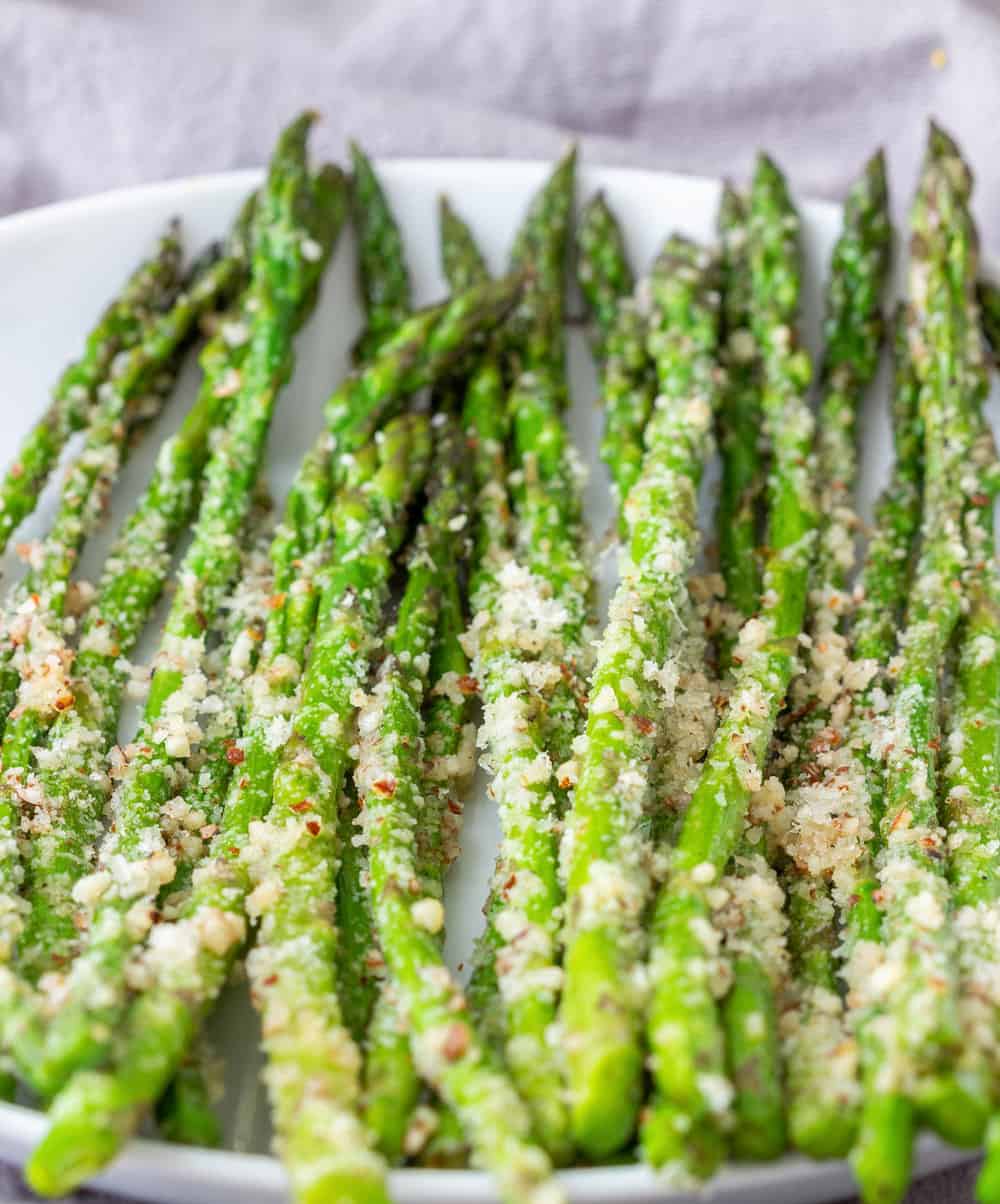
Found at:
[529, 635]
[627, 377]
[826, 804]
[683, 1127]
[603, 854]
[385, 281]
[908, 1036]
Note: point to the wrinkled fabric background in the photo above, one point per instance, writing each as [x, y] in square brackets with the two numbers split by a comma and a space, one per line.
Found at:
[96, 94]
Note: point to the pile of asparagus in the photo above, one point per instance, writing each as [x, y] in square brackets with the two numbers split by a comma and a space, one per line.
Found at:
[746, 895]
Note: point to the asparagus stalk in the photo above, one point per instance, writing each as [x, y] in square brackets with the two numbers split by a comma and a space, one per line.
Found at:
[882, 591]
[989, 307]
[382, 272]
[528, 636]
[908, 1035]
[683, 1127]
[619, 342]
[484, 417]
[185, 1113]
[739, 422]
[392, 1084]
[604, 860]
[826, 804]
[755, 947]
[147, 291]
[446, 1047]
[535, 330]
[299, 216]
[957, 1101]
[603, 269]
[461, 259]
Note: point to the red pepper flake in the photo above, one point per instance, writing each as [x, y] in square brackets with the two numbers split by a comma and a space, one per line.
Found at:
[269, 981]
[299, 808]
[275, 601]
[234, 754]
[468, 684]
[313, 827]
[456, 1041]
[980, 499]
[386, 787]
[644, 724]
[902, 820]
[454, 806]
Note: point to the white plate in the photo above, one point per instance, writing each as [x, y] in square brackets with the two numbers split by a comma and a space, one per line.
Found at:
[58, 265]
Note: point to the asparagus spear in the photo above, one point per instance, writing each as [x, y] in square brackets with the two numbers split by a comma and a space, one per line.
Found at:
[826, 805]
[989, 307]
[385, 294]
[683, 1126]
[461, 259]
[603, 855]
[385, 281]
[619, 341]
[147, 291]
[739, 422]
[299, 216]
[750, 898]
[882, 591]
[603, 269]
[185, 1113]
[485, 417]
[529, 635]
[392, 1084]
[957, 1101]
[908, 1036]
[535, 330]
[409, 918]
